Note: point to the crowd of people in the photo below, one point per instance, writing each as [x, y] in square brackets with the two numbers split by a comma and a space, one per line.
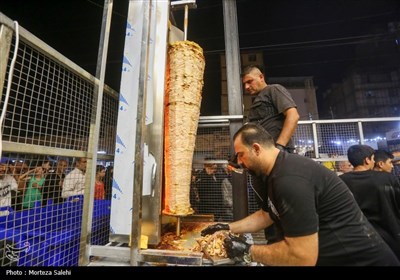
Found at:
[26, 184]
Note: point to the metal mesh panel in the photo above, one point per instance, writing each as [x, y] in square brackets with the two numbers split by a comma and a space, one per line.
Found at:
[333, 139]
[108, 124]
[252, 196]
[49, 105]
[50, 110]
[211, 187]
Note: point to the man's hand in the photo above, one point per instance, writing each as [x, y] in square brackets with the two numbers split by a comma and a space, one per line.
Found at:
[236, 247]
[214, 228]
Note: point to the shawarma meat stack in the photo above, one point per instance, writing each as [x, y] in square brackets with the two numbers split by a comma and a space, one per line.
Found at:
[184, 84]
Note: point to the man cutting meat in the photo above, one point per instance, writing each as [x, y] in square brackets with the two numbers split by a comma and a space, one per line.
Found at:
[317, 218]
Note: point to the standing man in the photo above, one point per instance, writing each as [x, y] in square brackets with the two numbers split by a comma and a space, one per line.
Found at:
[273, 107]
[317, 217]
[209, 188]
[53, 183]
[74, 182]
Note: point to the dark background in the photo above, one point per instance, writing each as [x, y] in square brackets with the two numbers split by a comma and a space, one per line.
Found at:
[318, 38]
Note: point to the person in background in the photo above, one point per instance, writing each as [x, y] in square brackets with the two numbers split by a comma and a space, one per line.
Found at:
[18, 168]
[209, 189]
[99, 192]
[33, 193]
[344, 166]
[74, 182]
[317, 218]
[377, 193]
[383, 161]
[7, 184]
[194, 194]
[108, 181]
[273, 107]
[46, 165]
[20, 171]
[227, 193]
[396, 163]
[53, 182]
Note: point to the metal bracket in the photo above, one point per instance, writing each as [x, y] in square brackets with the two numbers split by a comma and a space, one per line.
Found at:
[180, 4]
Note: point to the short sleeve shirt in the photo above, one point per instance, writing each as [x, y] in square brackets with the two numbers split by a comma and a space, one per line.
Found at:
[268, 108]
[304, 197]
[7, 184]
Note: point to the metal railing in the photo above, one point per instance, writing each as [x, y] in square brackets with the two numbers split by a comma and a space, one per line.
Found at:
[321, 140]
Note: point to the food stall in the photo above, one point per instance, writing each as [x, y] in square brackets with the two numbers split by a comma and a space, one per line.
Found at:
[163, 95]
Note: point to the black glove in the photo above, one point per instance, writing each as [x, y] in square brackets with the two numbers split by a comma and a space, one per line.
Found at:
[214, 228]
[236, 247]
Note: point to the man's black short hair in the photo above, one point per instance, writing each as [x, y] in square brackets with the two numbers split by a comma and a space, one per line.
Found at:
[251, 133]
[249, 68]
[382, 155]
[358, 153]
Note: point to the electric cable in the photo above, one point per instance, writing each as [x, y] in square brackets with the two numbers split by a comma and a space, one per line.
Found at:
[9, 80]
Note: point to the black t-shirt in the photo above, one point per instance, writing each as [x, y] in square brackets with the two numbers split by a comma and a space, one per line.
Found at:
[378, 195]
[268, 107]
[305, 197]
[52, 188]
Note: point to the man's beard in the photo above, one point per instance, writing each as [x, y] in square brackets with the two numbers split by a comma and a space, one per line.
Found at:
[251, 172]
[254, 172]
[254, 167]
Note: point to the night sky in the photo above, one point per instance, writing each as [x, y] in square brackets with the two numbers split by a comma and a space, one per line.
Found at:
[299, 37]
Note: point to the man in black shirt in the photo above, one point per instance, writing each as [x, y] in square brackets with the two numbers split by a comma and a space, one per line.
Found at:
[376, 192]
[383, 161]
[316, 214]
[53, 182]
[273, 107]
[209, 188]
[275, 110]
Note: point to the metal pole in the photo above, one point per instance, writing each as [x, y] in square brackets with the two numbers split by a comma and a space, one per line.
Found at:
[235, 101]
[139, 140]
[361, 131]
[315, 137]
[186, 22]
[94, 129]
